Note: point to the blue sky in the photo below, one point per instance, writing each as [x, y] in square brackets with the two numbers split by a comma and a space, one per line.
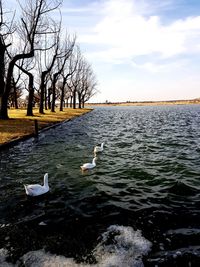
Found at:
[139, 49]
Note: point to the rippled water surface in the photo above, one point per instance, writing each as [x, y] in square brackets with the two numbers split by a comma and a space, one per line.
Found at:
[147, 178]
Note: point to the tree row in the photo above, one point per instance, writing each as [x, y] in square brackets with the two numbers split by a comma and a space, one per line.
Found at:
[39, 56]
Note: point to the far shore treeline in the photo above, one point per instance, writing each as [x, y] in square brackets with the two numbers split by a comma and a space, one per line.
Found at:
[41, 64]
[148, 103]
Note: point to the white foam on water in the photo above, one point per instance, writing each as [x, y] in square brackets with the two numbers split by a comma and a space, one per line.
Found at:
[3, 262]
[120, 246]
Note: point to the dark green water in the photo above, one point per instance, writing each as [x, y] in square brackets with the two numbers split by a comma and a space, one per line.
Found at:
[147, 178]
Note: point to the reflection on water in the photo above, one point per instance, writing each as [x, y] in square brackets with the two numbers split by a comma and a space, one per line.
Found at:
[147, 178]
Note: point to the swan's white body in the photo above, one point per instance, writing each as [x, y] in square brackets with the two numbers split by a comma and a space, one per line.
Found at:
[98, 148]
[88, 166]
[36, 189]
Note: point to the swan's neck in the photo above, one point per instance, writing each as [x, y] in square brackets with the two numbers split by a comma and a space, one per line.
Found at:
[94, 161]
[46, 180]
[102, 145]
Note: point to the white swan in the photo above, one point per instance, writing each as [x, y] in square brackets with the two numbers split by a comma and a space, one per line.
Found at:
[98, 148]
[37, 189]
[88, 166]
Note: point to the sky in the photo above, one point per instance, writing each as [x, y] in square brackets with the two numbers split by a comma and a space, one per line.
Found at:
[140, 50]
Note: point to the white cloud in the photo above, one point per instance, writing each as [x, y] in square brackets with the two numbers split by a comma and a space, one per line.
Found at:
[127, 33]
[138, 49]
[160, 68]
[74, 10]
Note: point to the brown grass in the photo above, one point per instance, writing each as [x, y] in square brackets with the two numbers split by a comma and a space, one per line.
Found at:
[20, 125]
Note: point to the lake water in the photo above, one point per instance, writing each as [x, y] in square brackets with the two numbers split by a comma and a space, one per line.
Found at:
[140, 206]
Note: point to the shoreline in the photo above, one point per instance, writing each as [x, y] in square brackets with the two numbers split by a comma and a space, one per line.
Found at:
[20, 127]
[148, 103]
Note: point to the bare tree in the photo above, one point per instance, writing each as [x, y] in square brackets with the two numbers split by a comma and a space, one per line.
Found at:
[90, 90]
[31, 94]
[67, 72]
[63, 55]
[61, 66]
[85, 73]
[34, 22]
[26, 69]
[16, 90]
[15, 94]
[6, 31]
[47, 60]
[87, 84]
[67, 96]
[75, 78]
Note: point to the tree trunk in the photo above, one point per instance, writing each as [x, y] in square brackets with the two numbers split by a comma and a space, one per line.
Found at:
[71, 100]
[83, 102]
[53, 94]
[15, 98]
[2, 70]
[62, 98]
[15, 94]
[45, 97]
[42, 89]
[79, 100]
[74, 99]
[4, 108]
[30, 96]
[49, 98]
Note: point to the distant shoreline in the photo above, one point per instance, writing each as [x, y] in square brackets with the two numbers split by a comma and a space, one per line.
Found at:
[148, 103]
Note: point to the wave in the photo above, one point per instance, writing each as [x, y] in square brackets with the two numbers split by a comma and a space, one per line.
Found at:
[182, 188]
[120, 246]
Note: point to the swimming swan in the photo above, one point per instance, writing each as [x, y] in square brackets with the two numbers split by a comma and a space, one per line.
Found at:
[88, 166]
[98, 148]
[36, 189]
